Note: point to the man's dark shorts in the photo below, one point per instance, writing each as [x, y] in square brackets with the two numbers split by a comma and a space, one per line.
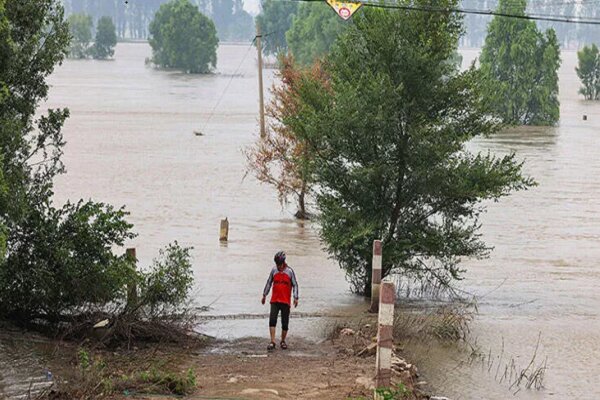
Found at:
[285, 315]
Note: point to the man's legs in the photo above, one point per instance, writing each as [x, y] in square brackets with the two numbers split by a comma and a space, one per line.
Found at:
[285, 320]
[273, 321]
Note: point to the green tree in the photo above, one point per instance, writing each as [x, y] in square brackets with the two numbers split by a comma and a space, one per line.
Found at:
[183, 38]
[589, 72]
[231, 20]
[279, 158]
[521, 65]
[314, 29]
[106, 39]
[388, 131]
[275, 19]
[80, 27]
[56, 264]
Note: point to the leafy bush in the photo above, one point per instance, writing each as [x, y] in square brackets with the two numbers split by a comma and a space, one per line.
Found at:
[170, 279]
[397, 393]
[61, 260]
[59, 268]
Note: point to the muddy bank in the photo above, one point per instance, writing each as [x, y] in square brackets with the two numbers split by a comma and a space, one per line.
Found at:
[341, 367]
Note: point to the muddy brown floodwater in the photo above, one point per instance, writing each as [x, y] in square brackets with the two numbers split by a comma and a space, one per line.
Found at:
[131, 142]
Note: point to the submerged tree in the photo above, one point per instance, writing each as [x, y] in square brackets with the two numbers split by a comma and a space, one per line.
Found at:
[388, 135]
[183, 38]
[589, 72]
[80, 27]
[521, 65]
[106, 39]
[275, 19]
[314, 29]
[282, 159]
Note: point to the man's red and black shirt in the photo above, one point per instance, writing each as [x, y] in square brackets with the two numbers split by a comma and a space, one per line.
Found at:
[283, 283]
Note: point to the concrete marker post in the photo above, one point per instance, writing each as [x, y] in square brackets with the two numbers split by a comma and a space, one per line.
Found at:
[385, 337]
[376, 275]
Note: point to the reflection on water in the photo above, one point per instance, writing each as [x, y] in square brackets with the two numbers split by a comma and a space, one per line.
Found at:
[131, 141]
[22, 371]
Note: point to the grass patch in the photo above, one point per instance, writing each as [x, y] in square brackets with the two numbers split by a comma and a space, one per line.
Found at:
[448, 322]
[105, 374]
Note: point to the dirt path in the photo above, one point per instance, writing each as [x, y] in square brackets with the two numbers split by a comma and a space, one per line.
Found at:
[336, 369]
[245, 370]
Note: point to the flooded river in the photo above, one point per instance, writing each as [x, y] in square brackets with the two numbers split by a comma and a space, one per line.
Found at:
[131, 142]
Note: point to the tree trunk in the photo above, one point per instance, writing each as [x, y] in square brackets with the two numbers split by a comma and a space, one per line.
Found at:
[301, 213]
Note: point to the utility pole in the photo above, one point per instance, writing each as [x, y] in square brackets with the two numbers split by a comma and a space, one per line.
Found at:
[260, 82]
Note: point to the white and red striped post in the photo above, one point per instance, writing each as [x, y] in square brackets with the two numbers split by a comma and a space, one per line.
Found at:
[375, 276]
[385, 337]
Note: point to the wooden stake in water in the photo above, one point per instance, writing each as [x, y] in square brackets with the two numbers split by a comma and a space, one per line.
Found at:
[224, 231]
[376, 275]
[385, 335]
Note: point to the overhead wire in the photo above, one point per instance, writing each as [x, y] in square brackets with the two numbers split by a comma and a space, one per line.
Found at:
[532, 17]
[228, 84]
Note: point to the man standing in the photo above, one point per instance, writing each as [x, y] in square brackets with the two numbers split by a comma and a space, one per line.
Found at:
[283, 280]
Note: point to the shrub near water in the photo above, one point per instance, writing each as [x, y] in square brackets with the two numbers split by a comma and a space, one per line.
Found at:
[57, 265]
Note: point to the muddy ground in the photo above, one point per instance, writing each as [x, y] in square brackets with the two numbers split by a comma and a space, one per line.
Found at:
[244, 369]
[332, 369]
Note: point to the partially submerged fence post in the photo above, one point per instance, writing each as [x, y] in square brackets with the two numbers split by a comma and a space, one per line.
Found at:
[375, 276]
[224, 231]
[385, 337]
[132, 295]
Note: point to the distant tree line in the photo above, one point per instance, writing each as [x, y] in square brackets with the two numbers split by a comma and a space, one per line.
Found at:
[569, 35]
[132, 20]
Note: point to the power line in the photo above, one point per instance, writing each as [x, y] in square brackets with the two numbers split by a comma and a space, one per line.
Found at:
[227, 86]
[532, 17]
[536, 17]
